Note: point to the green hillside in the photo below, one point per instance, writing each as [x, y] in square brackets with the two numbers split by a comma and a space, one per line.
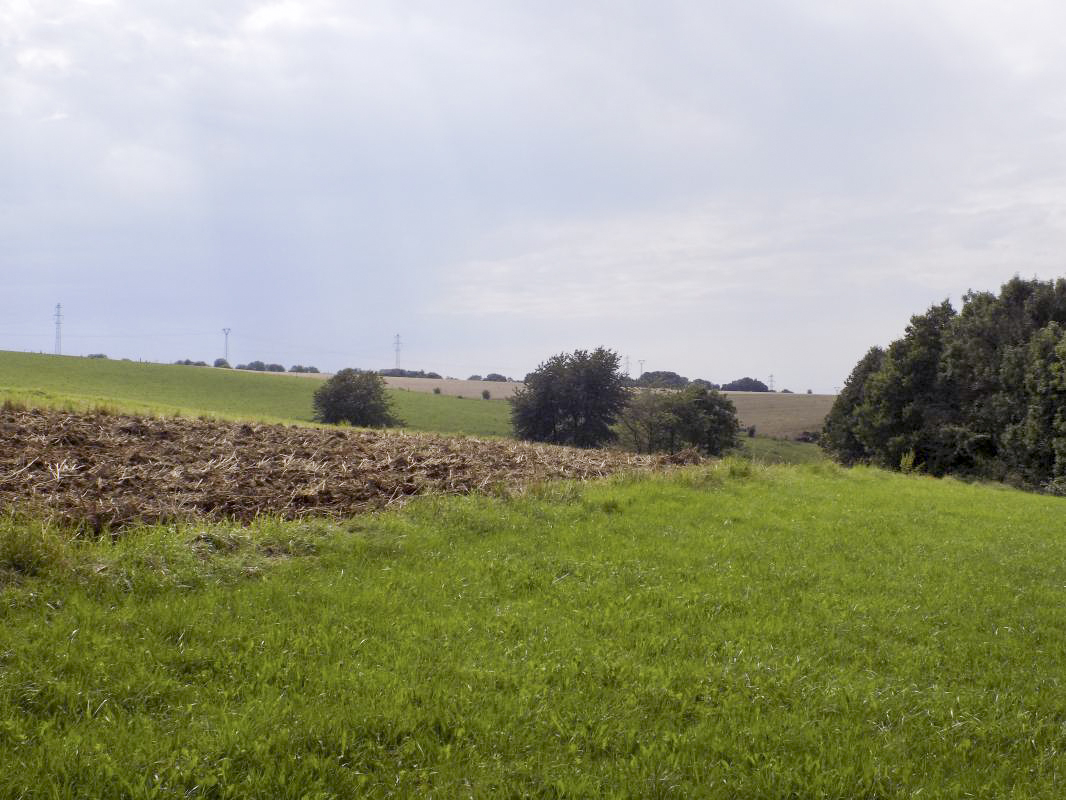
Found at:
[68, 381]
[723, 632]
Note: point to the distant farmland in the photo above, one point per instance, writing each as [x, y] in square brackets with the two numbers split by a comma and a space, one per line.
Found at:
[72, 382]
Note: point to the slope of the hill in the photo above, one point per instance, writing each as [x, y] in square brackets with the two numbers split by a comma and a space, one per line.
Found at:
[721, 632]
[82, 383]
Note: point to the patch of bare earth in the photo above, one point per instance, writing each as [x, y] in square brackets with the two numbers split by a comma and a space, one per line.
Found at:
[101, 471]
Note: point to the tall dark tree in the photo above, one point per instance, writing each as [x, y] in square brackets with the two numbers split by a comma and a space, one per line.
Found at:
[841, 436]
[981, 392]
[572, 398]
[355, 397]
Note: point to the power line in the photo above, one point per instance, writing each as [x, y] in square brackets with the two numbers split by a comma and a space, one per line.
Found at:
[59, 329]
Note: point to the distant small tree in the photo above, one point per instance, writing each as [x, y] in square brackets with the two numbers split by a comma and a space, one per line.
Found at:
[572, 398]
[661, 379]
[355, 397]
[257, 366]
[97, 355]
[313, 370]
[745, 385]
[222, 363]
[275, 368]
[474, 378]
[495, 376]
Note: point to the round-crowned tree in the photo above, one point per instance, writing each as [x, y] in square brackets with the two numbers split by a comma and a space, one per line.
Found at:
[572, 398]
[355, 397]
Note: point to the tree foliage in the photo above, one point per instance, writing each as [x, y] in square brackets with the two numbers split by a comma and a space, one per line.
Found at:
[356, 397]
[572, 398]
[979, 392]
[695, 417]
[745, 385]
[661, 379]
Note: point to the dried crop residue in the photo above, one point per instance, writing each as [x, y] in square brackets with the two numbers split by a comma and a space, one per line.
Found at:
[102, 471]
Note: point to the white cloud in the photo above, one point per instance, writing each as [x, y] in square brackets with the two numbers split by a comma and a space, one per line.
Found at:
[40, 58]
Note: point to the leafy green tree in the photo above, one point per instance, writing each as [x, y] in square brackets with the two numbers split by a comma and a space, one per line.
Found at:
[840, 436]
[981, 392]
[661, 379]
[356, 397]
[572, 398]
[745, 385]
[699, 418]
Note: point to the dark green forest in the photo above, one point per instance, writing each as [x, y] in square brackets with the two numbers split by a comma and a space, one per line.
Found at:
[977, 392]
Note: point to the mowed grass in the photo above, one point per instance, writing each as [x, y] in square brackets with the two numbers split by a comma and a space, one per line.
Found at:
[725, 631]
[82, 383]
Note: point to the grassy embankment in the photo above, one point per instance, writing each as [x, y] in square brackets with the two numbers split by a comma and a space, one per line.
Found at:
[727, 631]
[81, 383]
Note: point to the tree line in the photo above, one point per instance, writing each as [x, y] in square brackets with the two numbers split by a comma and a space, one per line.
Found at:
[977, 392]
[581, 399]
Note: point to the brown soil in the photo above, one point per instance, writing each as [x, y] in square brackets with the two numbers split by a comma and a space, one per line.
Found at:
[103, 472]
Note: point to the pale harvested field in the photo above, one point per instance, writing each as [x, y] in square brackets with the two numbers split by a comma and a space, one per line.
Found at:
[456, 388]
[783, 416]
[448, 386]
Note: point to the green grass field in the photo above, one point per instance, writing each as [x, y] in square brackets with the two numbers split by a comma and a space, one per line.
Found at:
[727, 631]
[81, 383]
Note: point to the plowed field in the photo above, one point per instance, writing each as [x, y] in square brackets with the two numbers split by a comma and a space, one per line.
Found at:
[103, 471]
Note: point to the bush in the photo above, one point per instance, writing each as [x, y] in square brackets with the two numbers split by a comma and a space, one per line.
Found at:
[572, 398]
[355, 397]
[486, 394]
[97, 355]
[436, 390]
[222, 363]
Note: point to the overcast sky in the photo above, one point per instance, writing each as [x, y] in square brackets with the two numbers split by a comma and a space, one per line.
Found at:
[719, 189]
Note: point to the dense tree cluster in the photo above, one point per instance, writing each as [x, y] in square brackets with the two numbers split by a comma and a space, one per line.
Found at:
[661, 379]
[396, 372]
[583, 399]
[259, 366]
[745, 385]
[695, 417]
[977, 392]
[302, 369]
